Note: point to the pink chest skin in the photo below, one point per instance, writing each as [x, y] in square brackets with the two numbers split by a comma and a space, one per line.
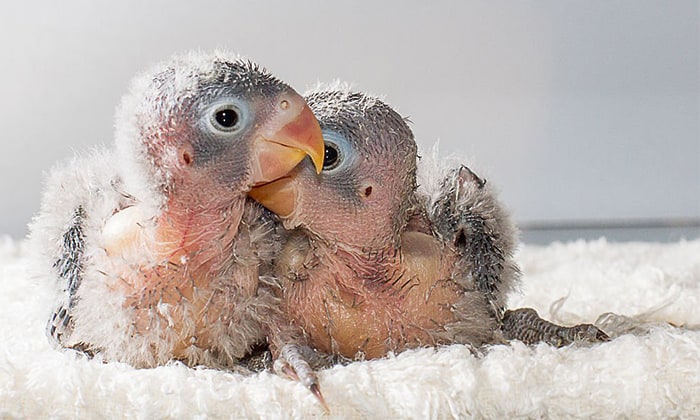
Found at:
[377, 302]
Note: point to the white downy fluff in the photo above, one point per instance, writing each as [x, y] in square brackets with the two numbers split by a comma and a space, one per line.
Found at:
[652, 375]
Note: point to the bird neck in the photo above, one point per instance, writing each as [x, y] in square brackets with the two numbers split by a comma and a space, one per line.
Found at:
[198, 233]
[369, 261]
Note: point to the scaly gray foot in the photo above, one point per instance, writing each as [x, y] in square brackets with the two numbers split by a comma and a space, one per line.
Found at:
[525, 324]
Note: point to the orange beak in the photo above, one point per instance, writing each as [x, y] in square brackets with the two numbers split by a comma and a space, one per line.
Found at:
[280, 197]
[285, 141]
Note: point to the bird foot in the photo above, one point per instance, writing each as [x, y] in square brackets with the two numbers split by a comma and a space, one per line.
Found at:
[524, 324]
[292, 364]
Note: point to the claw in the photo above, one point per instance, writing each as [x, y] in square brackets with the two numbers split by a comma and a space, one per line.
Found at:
[588, 332]
[314, 388]
[292, 364]
[283, 367]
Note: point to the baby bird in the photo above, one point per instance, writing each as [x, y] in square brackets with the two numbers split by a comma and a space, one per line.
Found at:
[372, 266]
[356, 280]
[153, 248]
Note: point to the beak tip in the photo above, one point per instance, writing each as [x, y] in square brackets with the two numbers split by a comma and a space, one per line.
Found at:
[318, 164]
[318, 150]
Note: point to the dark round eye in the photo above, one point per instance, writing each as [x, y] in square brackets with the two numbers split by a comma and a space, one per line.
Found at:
[331, 157]
[226, 118]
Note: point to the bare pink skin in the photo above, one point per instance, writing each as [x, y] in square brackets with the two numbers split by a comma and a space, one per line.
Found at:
[398, 302]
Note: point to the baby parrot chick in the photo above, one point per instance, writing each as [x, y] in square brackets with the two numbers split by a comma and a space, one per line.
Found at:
[153, 248]
[374, 266]
[355, 279]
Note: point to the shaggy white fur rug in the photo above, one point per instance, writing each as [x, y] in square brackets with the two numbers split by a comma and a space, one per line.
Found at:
[652, 374]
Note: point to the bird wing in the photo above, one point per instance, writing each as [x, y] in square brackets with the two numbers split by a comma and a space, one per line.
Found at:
[77, 199]
[69, 269]
[465, 214]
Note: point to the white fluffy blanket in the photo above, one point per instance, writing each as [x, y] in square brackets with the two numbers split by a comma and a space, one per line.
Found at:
[652, 375]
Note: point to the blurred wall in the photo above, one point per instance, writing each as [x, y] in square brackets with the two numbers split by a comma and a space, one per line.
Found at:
[576, 110]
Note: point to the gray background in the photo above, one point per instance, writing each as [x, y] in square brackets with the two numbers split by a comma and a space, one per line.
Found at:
[583, 113]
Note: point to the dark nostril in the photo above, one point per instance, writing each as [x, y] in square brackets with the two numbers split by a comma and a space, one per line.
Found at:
[461, 239]
[187, 158]
[368, 191]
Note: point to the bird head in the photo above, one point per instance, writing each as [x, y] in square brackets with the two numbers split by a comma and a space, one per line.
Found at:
[362, 196]
[202, 129]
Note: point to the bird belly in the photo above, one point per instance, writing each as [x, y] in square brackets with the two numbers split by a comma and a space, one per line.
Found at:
[343, 321]
[342, 313]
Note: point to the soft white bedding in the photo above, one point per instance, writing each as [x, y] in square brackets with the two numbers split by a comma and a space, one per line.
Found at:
[649, 375]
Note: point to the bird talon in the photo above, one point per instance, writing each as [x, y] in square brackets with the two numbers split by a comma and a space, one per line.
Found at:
[292, 364]
[589, 332]
[316, 390]
[283, 368]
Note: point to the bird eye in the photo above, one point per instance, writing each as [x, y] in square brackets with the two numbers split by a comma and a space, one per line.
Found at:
[338, 152]
[331, 157]
[225, 118]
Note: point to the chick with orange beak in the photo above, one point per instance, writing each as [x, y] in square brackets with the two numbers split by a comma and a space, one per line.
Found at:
[373, 264]
[153, 249]
[355, 279]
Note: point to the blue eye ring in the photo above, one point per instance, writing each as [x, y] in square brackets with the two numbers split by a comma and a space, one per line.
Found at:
[336, 152]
